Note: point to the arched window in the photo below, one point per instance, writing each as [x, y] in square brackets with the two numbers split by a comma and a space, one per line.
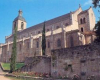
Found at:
[84, 20]
[22, 25]
[58, 43]
[81, 21]
[48, 44]
[82, 30]
[71, 41]
[14, 24]
[37, 44]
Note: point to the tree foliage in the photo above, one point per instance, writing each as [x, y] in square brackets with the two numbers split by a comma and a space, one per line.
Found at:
[96, 3]
[14, 52]
[97, 31]
[43, 40]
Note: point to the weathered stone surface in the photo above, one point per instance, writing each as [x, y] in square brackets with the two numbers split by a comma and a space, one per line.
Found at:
[80, 60]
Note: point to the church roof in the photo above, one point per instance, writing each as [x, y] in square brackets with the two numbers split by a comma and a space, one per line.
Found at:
[49, 22]
[83, 12]
[20, 18]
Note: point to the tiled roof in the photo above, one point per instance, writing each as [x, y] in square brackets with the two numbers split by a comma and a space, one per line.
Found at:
[47, 23]
[83, 12]
[19, 18]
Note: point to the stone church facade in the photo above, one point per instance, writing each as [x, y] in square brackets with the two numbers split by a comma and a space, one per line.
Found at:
[69, 30]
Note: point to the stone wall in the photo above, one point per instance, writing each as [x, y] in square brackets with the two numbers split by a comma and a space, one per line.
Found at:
[81, 60]
[37, 64]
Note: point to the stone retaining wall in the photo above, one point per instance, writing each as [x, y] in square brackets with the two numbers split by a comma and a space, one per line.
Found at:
[83, 61]
[37, 64]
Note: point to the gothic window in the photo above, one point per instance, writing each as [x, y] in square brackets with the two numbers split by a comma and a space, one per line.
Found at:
[71, 41]
[58, 43]
[22, 25]
[84, 20]
[81, 29]
[81, 21]
[48, 44]
[37, 44]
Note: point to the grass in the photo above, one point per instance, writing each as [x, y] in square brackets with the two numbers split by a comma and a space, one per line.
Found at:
[14, 78]
[6, 66]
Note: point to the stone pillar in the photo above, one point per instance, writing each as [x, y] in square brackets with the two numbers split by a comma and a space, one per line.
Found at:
[31, 41]
[8, 46]
[40, 45]
[85, 39]
[63, 37]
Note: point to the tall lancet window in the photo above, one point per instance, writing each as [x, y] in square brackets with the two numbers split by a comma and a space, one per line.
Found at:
[71, 41]
[84, 21]
[58, 43]
[22, 25]
[81, 22]
[14, 25]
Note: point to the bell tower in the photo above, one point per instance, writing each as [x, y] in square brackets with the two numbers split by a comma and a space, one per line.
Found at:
[19, 22]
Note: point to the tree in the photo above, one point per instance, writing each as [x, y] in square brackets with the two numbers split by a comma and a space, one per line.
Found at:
[96, 3]
[43, 40]
[97, 31]
[14, 52]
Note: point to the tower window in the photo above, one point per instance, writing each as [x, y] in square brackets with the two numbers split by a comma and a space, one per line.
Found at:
[22, 25]
[71, 41]
[58, 43]
[84, 21]
[81, 21]
[14, 24]
[81, 29]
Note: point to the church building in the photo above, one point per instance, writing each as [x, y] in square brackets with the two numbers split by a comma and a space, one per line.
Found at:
[69, 30]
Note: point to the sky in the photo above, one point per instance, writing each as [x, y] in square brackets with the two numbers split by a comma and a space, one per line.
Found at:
[36, 11]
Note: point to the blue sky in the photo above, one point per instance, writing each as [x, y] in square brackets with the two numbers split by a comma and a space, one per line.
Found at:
[36, 11]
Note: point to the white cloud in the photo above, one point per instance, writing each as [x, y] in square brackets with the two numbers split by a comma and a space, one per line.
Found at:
[88, 2]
